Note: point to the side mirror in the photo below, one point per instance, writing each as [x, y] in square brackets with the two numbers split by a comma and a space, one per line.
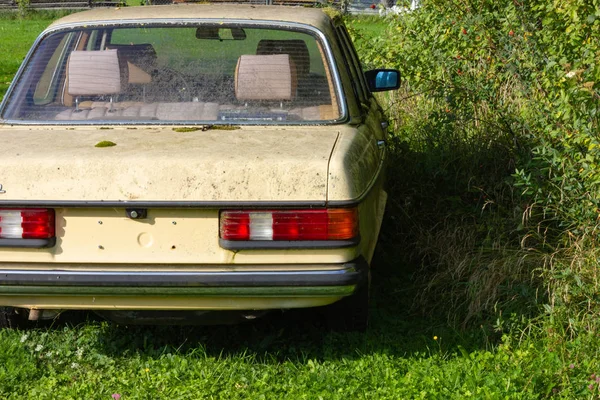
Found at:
[380, 80]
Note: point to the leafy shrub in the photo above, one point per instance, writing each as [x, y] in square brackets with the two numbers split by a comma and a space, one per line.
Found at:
[496, 150]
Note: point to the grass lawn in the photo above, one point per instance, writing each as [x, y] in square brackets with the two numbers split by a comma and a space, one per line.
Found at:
[368, 26]
[285, 356]
[16, 35]
[289, 355]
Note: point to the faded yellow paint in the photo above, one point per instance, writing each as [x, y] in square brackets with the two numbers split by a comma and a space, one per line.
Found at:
[354, 164]
[221, 12]
[158, 164]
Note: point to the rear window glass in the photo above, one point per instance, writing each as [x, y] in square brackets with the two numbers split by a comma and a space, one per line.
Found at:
[204, 73]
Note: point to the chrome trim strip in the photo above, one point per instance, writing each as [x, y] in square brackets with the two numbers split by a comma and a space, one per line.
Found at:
[348, 274]
[28, 243]
[138, 22]
[269, 291]
[287, 244]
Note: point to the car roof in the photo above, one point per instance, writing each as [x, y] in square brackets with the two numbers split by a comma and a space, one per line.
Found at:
[302, 15]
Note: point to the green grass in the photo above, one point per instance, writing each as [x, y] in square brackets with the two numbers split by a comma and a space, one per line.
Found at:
[368, 26]
[401, 357]
[288, 356]
[291, 356]
[16, 35]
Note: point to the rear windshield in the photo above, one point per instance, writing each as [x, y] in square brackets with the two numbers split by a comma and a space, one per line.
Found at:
[194, 73]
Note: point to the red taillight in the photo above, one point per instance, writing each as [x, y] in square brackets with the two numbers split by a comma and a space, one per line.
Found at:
[27, 223]
[235, 226]
[290, 225]
[300, 225]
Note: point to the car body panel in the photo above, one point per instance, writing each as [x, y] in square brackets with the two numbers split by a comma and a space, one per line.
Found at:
[247, 164]
[222, 12]
[168, 236]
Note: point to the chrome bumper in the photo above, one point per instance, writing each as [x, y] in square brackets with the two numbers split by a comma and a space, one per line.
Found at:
[254, 280]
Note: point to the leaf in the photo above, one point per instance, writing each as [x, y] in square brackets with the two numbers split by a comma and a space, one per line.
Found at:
[105, 143]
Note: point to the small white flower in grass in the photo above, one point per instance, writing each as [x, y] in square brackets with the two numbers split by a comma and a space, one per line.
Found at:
[24, 338]
[79, 353]
[39, 347]
[74, 365]
[571, 74]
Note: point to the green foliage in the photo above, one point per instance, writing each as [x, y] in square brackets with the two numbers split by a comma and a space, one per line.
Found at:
[187, 129]
[496, 149]
[23, 6]
[274, 359]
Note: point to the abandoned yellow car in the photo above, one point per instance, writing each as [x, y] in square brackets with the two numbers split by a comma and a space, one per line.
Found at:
[161, 163]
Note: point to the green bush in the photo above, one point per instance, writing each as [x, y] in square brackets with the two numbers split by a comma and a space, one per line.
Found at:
[496, 150]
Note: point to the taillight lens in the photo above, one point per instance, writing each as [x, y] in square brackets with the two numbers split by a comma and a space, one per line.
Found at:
[27, 224]
[290, 225]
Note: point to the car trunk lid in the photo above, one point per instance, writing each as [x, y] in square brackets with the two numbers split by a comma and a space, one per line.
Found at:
[182, 180]
[165, 164]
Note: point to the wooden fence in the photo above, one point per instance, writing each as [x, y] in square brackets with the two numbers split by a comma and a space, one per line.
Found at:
[59, 4]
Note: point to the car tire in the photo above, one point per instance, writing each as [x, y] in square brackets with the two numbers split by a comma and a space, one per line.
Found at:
[11, 319]
[351, 314]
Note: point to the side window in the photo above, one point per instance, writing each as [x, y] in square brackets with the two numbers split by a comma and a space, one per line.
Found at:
[355, 60]
[47, 85]
[351, 59]
[347, 65]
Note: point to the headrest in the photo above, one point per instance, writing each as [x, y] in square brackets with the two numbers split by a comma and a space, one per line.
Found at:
[141, 59]
[271, 77]
[296, 48]
[93, 73]
[142, 55]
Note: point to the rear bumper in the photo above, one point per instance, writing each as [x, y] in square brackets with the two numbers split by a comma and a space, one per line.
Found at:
[196, 288]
